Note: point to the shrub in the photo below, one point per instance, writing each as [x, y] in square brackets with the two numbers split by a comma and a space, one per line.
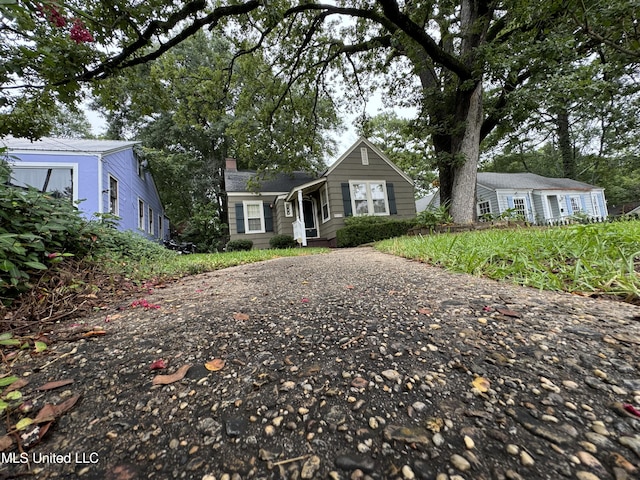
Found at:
[239, 245]
[36, 231]
[282, 241]
[361, 230]
[434, 216]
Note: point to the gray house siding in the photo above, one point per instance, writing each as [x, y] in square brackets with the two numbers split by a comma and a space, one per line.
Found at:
[351, 169]
[236, 219]
[399, 196]
[485, 194]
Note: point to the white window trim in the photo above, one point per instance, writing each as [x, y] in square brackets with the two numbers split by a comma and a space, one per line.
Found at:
[524, 205]
[369, 199]
[594, 204]
[245, 205]
[482, 202]
[117, 209]
[578, 201]
[73, 166]
[150, 220]
[324, 195]
[141, 219]
[160, 227]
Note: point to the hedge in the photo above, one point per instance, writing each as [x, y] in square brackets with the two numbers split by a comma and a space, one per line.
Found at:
[361, 230]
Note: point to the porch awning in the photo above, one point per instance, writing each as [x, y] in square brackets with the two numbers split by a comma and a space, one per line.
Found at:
[305, 188]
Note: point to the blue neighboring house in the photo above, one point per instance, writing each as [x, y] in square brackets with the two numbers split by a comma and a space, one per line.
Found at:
[107, 176]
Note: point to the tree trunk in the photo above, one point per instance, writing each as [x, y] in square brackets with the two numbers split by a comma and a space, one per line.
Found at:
[463, 194]
[564, 143]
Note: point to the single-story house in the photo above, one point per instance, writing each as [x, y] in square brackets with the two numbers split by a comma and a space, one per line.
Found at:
[311, 209]
[106, 176]
[538, 199]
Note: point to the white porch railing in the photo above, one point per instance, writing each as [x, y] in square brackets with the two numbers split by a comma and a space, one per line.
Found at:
[299, 232]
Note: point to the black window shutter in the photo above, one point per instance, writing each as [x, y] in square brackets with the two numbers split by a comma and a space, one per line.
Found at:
[346, 199]
[239, 218]
[391, 196]
[268, 217]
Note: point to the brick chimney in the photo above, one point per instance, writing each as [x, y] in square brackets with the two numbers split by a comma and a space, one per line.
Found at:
[231, 164]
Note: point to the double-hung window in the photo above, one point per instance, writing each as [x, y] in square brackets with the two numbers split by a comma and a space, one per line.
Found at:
[324, 203]
[253, 217]
[519, 206]
[369, 197]
[151, 221]
[114, 209]
[484, 208]
[141, 216]
[575, 204]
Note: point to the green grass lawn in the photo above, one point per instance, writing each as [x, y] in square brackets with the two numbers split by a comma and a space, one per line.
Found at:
[173, 265]
[598, 258]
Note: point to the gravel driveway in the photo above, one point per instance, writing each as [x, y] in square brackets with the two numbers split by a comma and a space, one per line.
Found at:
[349, 365]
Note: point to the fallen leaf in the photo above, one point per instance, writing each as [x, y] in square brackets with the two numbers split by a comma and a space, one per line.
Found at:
[508, 313]
[631, 409]
[56, 384]
[359, 382]
[424, 311]
[5, 442]
[305, 300]
[158, 365]
[167, 379]
[8, 380]
[50, 412]
[16, 385]
[40, 346]
[215, 365]
[482, 384]
[349, 287]
[434, 424]
[240, 316]
[94, 333]
[24, 423]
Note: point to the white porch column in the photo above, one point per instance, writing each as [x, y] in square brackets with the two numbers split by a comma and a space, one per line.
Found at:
[301, 219]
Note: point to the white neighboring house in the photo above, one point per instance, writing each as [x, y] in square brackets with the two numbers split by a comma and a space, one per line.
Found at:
[540, 200]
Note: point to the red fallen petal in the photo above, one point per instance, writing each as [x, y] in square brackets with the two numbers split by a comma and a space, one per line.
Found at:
[158, 365]
[305, 300]
[631, 409]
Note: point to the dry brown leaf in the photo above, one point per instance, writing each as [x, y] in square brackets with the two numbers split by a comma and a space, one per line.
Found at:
[5, 442]
[16, 385]
[240, 316]
[508, 313]
[56, 384]
[434, 424]
[51, 412]
[215, 365]
[94, 333]
[167, 379]
[482, 384]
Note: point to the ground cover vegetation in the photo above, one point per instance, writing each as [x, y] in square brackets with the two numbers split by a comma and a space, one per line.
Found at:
[477, 74]
[54, 263]
[600, 259]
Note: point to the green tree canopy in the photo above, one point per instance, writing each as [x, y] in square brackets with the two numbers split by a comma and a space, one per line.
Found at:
[463, 64]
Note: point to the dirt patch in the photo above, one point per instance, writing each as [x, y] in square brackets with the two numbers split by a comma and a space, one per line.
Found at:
[352, 364]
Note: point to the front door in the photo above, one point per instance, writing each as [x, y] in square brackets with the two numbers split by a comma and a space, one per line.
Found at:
[310, 220]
